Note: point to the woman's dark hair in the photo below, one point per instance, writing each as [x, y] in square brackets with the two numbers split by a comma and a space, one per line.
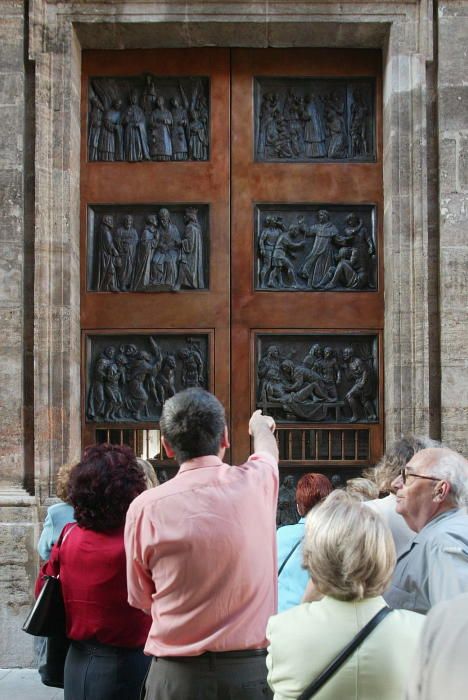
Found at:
[103, 484]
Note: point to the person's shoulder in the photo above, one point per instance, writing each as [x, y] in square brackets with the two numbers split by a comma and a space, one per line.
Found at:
[449, 531]
[60, 510]
[289, 618]
[407, 617]
[260, 458]
[147, 498]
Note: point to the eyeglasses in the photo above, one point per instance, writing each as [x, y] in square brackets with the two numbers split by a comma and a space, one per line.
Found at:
[405, 474]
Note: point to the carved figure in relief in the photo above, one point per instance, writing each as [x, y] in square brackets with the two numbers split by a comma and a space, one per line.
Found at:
[358, 129]
[165, 381]
[278, 138]
[198, 143]
[283, 273]
[269, 361]
[135, 136]
[286, 513]
[321, 258]
[314, 129]
[192, 366]
[164, 265]
[331, 371]
[362, 394]
[112, 391]
[137, 396]
[95, 124]
[191, 253]
[148, 101]
[111, 136]
[160, 124]
[267, 240]
[126, 241]
[108, 257]
[334, 116]
[97, 397]
[197, 110]
[292, 113]
[179, 130]
[353, 269]
[148, 242]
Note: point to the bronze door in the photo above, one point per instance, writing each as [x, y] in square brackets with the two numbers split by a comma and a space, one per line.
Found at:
[306, 253]
[176, 277]
[155, 308]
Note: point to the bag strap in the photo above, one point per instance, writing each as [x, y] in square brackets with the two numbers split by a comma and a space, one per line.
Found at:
[285, 561]
[338, 661]
[67, 528]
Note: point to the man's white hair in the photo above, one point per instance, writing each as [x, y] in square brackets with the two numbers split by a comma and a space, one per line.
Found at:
[452, 467]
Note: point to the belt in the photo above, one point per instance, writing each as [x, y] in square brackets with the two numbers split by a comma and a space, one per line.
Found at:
[235, 654]
[93, 647]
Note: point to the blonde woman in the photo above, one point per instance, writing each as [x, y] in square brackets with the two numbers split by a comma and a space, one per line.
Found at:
[58, 514]
[351, 553]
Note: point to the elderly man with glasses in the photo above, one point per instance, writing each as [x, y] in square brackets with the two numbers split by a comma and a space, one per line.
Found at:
[432, 495]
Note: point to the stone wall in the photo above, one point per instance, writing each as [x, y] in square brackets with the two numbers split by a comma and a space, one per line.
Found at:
[425, 106]
[453, 149]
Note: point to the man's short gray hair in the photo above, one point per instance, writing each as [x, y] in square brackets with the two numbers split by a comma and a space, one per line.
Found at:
[452, 467]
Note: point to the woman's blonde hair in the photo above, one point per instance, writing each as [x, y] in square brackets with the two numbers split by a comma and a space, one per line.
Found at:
[63, 476]
[363, 489]
[148, 470]
[348, 549]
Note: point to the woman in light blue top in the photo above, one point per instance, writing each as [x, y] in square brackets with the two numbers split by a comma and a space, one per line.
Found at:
[292, 577]
[58, 514]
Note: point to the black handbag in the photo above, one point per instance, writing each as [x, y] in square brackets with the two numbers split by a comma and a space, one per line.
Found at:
[47, 617]
[328, 672]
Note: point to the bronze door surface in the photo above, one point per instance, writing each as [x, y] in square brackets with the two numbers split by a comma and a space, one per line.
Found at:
[204, 172]
[307, 287]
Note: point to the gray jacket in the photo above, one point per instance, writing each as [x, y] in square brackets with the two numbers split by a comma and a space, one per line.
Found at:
[434, 567]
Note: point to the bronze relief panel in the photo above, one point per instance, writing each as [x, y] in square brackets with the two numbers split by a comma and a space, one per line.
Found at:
[314, 119]
[315, 247]
[148, 248]
[148, 117]
[129, 377]
[313, 378]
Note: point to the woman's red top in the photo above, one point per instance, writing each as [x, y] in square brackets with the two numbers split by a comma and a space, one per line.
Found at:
[94, 586]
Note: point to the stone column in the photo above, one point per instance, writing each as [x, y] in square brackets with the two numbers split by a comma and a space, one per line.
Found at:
[17, 507]
[453, 158]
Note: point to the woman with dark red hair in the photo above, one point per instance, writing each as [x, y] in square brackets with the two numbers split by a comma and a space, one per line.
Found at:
[311, 489]
[105, 660]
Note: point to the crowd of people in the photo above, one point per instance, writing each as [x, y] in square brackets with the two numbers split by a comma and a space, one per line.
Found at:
[185, 590]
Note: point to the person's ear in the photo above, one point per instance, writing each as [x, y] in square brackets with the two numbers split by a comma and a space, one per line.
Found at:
[167, 448]
[442, 491]
[225, 444]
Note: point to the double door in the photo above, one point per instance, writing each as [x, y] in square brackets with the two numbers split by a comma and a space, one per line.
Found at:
[231, 217]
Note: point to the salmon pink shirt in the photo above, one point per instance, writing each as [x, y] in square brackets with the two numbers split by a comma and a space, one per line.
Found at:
[201, 556]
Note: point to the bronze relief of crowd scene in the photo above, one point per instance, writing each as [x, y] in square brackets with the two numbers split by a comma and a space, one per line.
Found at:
[147, 118]
[316, 249]
[130, 377]
[150, 249]
[329, 379]
[306, 119]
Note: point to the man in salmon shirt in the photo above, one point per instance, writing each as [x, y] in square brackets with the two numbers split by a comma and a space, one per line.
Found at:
[201, 557]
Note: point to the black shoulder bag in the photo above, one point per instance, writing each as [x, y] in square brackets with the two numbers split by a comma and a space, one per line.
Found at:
[328, 672]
